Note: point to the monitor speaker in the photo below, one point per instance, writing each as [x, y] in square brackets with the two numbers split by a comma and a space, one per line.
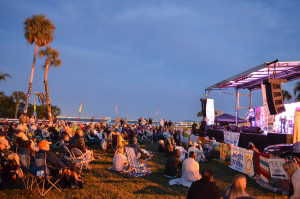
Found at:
[274, 95]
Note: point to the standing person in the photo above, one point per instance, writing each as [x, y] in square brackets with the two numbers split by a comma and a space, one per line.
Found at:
[161, 123]
[237, 189]
[204, 188]
[293, 170]
[117, 121]
[170, 123]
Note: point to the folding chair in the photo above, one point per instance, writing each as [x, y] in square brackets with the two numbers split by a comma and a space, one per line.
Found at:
[46, 136]
[80, 158]
[24, 156]
[42, 175]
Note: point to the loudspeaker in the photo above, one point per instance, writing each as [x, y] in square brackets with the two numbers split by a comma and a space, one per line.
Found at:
[203, 105]
[274, 95]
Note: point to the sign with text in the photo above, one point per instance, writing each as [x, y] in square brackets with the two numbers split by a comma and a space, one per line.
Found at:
[276, 168]
[231, 138]
[242, 160]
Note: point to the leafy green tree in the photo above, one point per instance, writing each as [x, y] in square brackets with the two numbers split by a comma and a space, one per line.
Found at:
[18, 96]
[52, 59]
[3, 76]
[7, 107]
[297, 91]
[38, 30]
[286, 95]
[42, 111]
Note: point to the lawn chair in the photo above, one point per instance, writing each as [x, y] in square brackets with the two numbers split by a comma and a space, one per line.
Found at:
[80, 158]
[42, 175]
[24, 155]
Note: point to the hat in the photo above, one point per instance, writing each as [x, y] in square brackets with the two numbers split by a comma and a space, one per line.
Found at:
[5, 143]
[20, 134]
[21, 128]
[43, 143]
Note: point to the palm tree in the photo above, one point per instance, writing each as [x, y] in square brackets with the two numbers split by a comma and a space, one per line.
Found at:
[297, 90]
[286, 95]
[18, 96]
[4, 76]
[52, 59]
[38, 30]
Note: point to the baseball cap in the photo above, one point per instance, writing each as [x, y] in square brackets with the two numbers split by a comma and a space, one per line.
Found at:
[43, 143]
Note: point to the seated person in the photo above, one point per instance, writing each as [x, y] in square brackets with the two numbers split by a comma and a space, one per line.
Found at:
[9, 162]
[182, 150]
[199, 153]
[205, 187]
[168, 148]
[173, 165]
[51, 159]
[77, 141]
[190, 172]
[139, 151]
[120, 160]
[237, 189]
[161, 146]
[24, 143]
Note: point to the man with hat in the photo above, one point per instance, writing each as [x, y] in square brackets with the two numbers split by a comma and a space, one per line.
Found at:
[51, 159]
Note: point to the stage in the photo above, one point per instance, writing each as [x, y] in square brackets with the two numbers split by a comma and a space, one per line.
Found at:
[259, 140]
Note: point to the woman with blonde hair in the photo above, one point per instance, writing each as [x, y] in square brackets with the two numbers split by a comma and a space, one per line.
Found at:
[237, 189]
[293, 170]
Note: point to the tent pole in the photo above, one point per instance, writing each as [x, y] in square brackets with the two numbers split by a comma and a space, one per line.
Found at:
[250, 99]
[236, 106]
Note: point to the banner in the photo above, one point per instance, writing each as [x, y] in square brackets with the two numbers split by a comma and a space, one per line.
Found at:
[225, 153]
[231, 138]
[210, 112]
[276, 168]
[242, 160]
[264, 167]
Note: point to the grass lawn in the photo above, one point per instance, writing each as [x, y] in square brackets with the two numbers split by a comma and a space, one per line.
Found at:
[103, 183]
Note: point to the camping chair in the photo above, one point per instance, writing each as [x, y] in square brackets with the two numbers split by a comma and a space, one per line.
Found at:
[80, 158]
[42, 175]
[46, 136]
[24, 155]
[132, 159]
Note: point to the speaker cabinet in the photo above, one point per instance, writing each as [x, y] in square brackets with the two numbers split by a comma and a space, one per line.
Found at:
[274, 95]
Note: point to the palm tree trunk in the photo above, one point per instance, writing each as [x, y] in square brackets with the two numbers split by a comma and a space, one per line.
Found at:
[16, 114]
[31, 78]
[47, 92]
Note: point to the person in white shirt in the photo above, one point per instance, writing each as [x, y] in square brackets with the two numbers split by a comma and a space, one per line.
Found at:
[199, 152]
[120, 160]
[182, 150]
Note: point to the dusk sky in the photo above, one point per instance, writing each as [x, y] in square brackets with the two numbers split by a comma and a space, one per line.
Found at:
[145, 55]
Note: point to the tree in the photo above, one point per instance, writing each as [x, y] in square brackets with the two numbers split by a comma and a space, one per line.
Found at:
[297, 90]
[18, 96]
[286, 95]
[38, 30]
[52, 59]
[4, 76]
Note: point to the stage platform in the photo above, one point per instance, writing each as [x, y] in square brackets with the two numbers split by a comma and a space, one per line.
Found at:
[259, 140]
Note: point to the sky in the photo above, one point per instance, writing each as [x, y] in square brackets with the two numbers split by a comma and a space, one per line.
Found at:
[147, 55]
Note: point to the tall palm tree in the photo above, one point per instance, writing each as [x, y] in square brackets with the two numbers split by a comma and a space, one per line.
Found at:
[18, 96]
[52, 59]
[4, 76]
[297, 90]
[286, 95]
[38, 30]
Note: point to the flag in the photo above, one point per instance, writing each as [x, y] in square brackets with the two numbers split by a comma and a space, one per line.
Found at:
[80, 108]
[34, 107]
[157, 112]
[116, 109]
